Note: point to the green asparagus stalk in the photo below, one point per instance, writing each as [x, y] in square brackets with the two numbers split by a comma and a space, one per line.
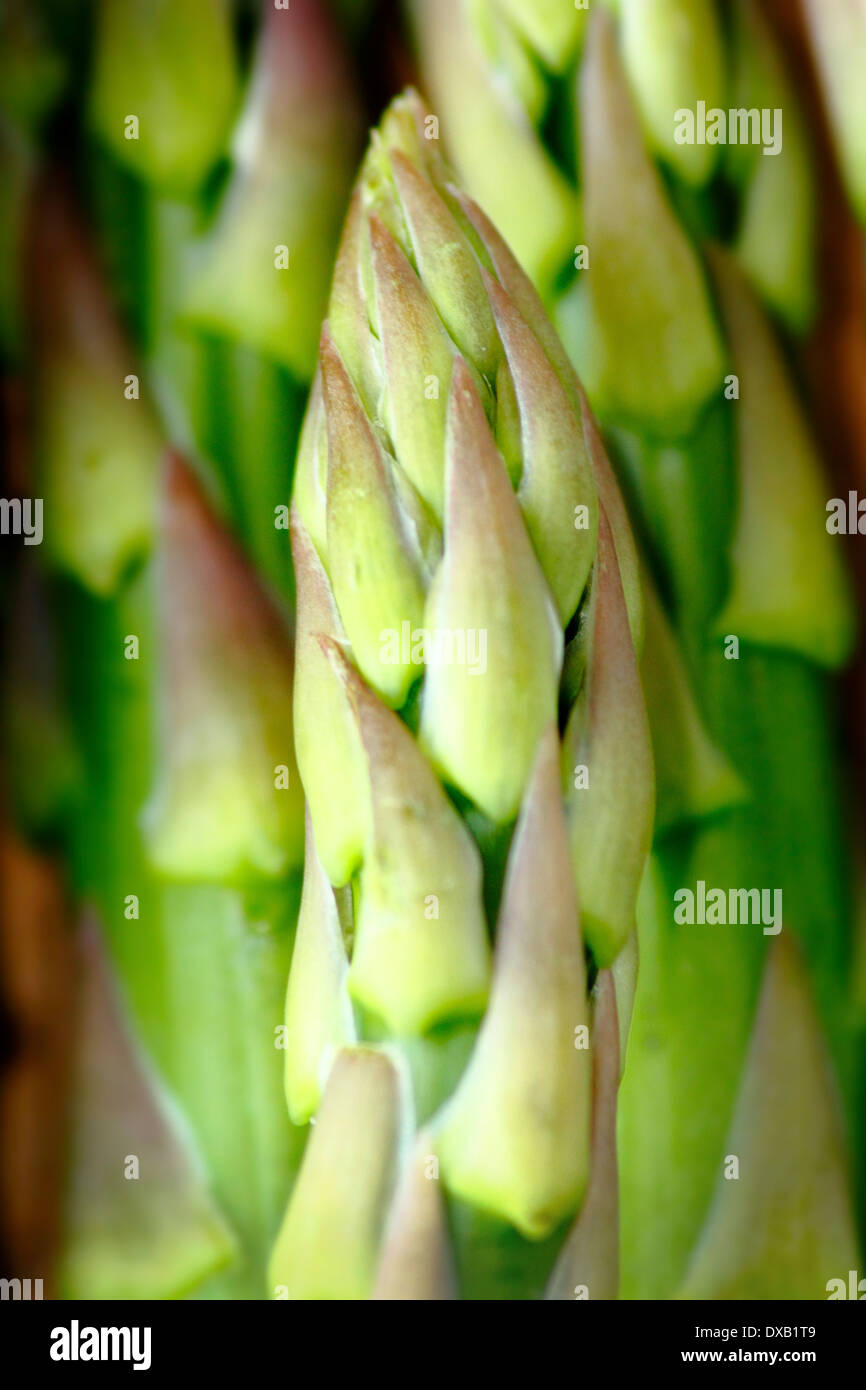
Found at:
[232, 291]
[202, 961]
[293, 154]
[792, 1215]
[165, 87]
[140, 1222]
[452, 488]
[187, 833]
[780, 699]
[696, 404]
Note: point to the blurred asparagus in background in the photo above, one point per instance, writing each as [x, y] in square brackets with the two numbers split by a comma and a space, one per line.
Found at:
[209, 146]
[838, 32]
[726, 491]
[184, 825]
[228, 236]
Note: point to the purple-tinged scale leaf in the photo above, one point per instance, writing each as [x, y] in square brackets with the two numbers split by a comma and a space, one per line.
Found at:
[330, 1238]
[157, 1234]
[514, 1140]
[228, 801]
[610, 500]
[421, 953]
[785, 1226]
[482, 715]
[507, 427]
[264, 268]
[417, 1262]
[624, 972]
[588, 1265]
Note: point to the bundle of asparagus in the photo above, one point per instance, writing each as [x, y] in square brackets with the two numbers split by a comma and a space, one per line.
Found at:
[555, 723]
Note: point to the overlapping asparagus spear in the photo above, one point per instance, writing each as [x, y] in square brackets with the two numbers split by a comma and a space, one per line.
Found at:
[187, 834]
[726, 489]
[467, 599]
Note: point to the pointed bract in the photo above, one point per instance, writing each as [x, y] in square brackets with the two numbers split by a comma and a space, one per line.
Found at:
[481, 722]
[557, 490]
[228, 801]
[785, 1227]
[421, 952]
[776, 233]
[523, 295]
[694, 778]
[347, 311]
[789, 587]
[514, 1140]
[309, 495]
[417, 1263]
[541, 221]
[553, 29]
[588, 1266]
[375, 577]
[447, 266]
[318, 1011]
[610, 500]
[660, 355]
[329, 1242]
[610, 815]
[417, 361]
[673, 52]
[154, 1234]
[294, 152]
[332, 768]
[98, 451]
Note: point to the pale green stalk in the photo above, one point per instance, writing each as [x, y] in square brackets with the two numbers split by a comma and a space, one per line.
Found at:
[696, 399]
[451, 481]
[188, 831]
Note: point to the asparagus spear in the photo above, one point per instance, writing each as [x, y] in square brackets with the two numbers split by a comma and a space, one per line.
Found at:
[694, 404]
[189, 831]
[460, 813]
